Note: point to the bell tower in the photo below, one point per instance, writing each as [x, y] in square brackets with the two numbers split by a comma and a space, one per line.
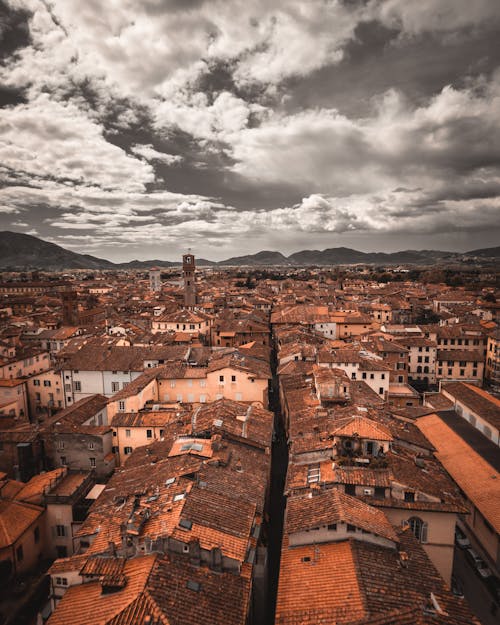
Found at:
[188, 269]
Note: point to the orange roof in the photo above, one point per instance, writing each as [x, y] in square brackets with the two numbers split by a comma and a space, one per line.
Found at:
[87, 600]
[318, 584]
[332, 506]
[364, 428]
[475, 477]
[38, 484]
[15, 518]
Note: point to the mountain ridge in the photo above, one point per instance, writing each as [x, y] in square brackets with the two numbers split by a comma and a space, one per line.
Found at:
[21, 252]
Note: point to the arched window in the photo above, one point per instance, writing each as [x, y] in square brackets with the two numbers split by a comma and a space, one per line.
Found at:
[419, 369]
[426, 369]
[419, 528]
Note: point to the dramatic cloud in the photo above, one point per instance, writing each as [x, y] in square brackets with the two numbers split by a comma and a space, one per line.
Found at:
[235, 126]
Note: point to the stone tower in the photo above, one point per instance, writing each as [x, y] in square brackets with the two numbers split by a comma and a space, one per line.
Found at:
[188, 268]
[155, 279]
[70, 314]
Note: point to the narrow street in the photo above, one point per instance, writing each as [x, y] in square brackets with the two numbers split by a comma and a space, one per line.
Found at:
[277, 499]
[479, 597]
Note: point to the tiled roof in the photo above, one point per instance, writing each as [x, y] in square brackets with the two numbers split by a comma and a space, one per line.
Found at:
[88, 600]
[475, 477]
[15, 518]
[363, 427]
[478, 400]
[332, 506]
[318, 584]
[235, 419]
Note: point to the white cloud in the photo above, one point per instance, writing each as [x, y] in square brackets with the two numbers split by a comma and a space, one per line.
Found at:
[150, 154]
[434, 15]
[46, 138]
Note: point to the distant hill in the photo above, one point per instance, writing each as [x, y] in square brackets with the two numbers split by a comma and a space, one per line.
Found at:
[22, 252]
[487, 252]
[261, 258]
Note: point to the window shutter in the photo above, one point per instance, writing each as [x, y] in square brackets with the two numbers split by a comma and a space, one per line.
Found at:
[423, 533]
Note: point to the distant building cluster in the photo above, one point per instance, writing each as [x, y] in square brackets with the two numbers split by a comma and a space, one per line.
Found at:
[197, 446]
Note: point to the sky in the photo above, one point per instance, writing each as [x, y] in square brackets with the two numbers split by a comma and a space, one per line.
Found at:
[143, 128]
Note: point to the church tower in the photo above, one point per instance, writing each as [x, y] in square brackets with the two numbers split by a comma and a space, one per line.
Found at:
[188, 268]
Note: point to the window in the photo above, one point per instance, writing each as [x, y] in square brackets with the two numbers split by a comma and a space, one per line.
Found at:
[92, 462]
[332, 527]
[60, 530]
[221, 378]
[203, 383]
[60, 444]
[91, 445]
[36, 382]
[172, 383]
[409, 495]
[350, 528]
[127, 450]
[233, 378]
[121, 406]
[350, 489]
[61, 581]
[382, 376]
[20, 553]
[47, 383]
[115, 387]
[114, 372]
[419, 528]
[127, 433]
[77, 386]
[313, 474]
[64, 462]
[363, 375]
[149, 433]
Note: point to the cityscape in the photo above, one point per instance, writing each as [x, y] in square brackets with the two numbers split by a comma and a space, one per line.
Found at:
[249, 312]
[250, 444]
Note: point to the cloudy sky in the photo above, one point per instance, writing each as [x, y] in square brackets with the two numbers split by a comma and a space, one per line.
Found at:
[140, 128]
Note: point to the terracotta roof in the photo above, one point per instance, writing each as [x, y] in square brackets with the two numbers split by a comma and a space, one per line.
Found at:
[15, 518]
[364, 428]
[332, 506]
[318, 584]
[39, 484]
[236, 419]
[88, 599]
[478, 400]
[475, 477]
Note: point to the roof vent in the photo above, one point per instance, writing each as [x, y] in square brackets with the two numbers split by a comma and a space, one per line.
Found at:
[192, 585]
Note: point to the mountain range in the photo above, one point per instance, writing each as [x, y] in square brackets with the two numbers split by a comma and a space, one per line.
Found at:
[21, 252]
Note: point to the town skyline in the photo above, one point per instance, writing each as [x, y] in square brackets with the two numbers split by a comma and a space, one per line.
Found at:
[231, 128]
